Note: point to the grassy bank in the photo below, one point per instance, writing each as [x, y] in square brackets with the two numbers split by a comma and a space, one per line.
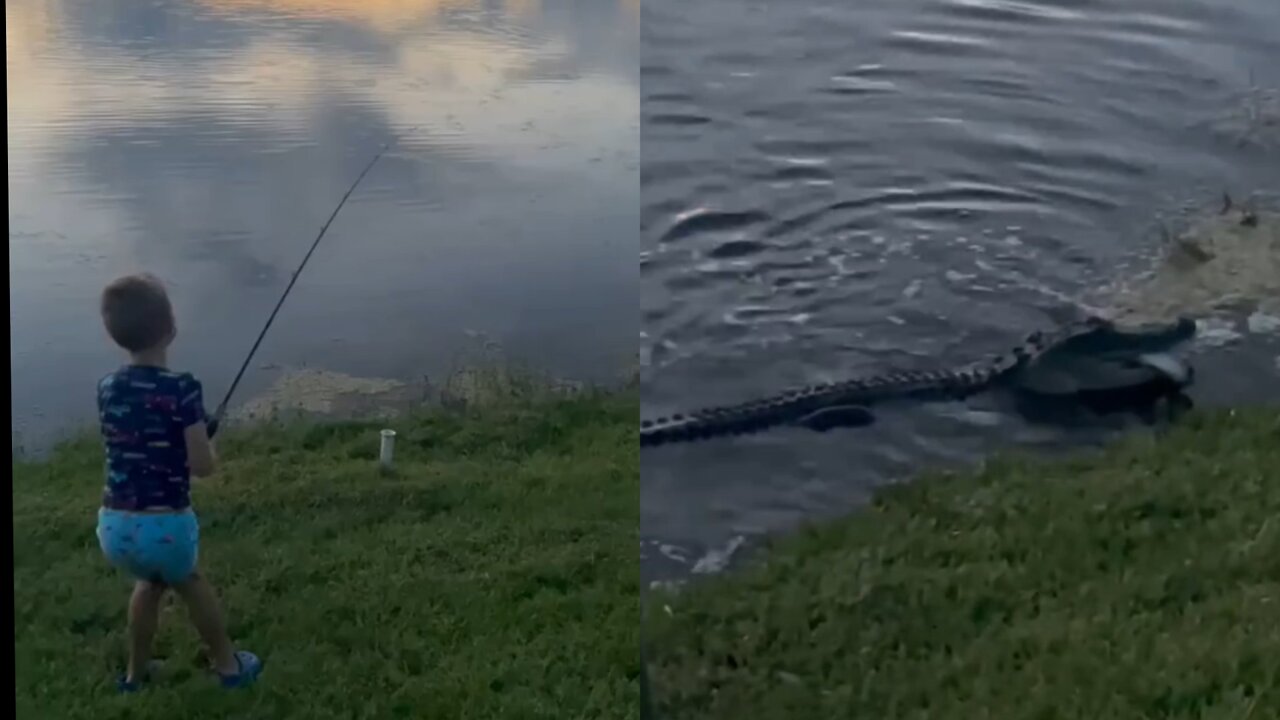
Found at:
[492, 575]
[1141, 582]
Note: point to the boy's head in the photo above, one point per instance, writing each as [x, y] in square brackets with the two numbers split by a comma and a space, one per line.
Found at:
[137, 313]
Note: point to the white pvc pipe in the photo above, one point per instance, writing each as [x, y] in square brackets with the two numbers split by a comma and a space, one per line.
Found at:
[388, 448]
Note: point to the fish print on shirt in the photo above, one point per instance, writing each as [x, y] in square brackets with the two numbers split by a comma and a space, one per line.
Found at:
[144, 412]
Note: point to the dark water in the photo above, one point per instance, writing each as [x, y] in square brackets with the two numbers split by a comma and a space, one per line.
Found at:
[208, 140]
[830, 188]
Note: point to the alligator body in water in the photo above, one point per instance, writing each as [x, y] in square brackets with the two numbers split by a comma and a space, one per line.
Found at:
[1094, 362]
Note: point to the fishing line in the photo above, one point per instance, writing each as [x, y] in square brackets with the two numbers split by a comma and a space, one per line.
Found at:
[222, 407]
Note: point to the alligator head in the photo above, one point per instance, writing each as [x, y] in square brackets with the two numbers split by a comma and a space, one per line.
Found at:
[1107, 357]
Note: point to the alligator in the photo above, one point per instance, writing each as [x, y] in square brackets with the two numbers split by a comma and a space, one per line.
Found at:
[1094, 361]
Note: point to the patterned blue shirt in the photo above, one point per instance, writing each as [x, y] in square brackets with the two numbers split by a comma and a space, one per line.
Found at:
[144, 411]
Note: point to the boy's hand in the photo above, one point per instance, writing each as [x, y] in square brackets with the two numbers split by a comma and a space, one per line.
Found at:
[212, 427]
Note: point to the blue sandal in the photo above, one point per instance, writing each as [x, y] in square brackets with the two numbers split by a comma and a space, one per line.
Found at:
[250, 668]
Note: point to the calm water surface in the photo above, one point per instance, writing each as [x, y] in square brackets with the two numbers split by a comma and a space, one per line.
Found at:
[831, 188]
[208, 140]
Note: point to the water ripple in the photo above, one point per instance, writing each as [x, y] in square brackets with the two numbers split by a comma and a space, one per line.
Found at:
[904, 183]
[206, 141]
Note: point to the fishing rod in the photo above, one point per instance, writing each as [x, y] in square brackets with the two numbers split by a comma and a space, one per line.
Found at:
[222, 407]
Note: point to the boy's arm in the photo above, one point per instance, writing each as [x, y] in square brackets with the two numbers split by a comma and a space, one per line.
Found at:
[201, 457]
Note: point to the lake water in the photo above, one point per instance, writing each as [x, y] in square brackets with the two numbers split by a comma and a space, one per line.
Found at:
[208, 140]
[833, 188]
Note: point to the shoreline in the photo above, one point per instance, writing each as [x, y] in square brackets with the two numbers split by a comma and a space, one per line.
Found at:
[982, 591]
[315, 394]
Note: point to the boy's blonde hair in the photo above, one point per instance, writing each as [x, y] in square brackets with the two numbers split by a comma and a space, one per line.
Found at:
[137, 312]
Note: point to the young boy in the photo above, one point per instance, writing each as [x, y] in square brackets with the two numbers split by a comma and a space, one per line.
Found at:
[153, 426]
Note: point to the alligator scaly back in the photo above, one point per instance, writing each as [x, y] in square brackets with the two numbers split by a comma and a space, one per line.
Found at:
[788, 407]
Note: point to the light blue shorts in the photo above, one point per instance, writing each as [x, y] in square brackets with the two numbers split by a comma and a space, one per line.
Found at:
[156, 547]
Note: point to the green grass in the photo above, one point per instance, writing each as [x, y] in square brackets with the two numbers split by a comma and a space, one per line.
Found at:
[1140, 582]
[493, 574]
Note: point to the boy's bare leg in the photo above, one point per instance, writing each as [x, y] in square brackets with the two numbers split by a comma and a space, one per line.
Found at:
[144, 617]
[206, 615]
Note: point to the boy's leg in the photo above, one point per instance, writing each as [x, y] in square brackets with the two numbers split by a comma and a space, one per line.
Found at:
[206, 615]
[176, 547]
[144, 616]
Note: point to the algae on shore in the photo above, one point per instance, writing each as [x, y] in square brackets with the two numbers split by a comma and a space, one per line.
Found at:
[483, 375]
[328, 394]
[1220, 262]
